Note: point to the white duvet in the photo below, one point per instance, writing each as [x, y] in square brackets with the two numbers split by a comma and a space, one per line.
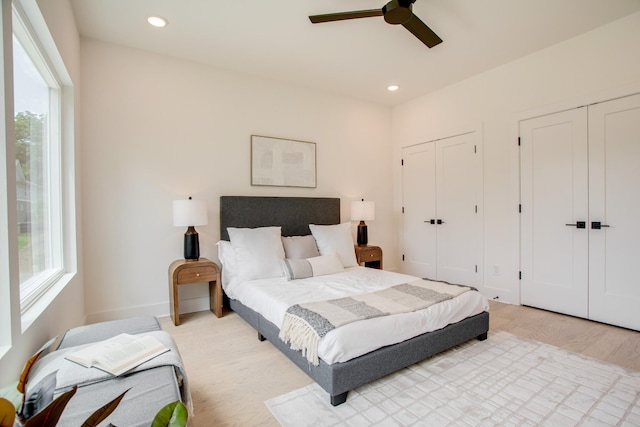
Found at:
[272, 297]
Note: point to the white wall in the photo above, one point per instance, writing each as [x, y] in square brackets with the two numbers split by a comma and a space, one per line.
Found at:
[157, 129]
[66, 308]
[595, 66]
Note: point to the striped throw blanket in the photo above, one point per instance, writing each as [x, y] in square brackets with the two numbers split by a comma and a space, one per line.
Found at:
[305, 324]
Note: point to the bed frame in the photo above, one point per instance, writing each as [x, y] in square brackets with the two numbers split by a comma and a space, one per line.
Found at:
[294, 214]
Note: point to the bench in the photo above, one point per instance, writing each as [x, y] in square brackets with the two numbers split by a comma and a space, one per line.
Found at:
[150, 389]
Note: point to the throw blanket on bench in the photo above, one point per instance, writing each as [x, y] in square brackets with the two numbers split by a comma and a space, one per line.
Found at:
[69, 373]
[305, 324]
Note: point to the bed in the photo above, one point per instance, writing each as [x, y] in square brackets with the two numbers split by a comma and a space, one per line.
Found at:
[340, 372]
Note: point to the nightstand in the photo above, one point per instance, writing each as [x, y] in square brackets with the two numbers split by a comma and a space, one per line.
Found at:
[371, 256]
[183, 272]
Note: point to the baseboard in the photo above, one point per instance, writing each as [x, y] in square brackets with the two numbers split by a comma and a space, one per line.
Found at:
[159, 310]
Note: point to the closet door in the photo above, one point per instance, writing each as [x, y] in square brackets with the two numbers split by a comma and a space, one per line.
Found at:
[440, 229]
[419, 205]
[554, 199]
[456, 209]
[614, 202]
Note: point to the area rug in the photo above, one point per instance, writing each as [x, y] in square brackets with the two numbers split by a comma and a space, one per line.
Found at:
[503, 381]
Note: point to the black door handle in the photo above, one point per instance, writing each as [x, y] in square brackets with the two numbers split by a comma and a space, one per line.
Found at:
[597, 225]
[436, 221]
[578, 224]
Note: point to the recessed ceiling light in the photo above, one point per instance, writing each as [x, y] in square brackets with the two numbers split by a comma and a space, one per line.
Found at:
[157, 21]
[393, 88]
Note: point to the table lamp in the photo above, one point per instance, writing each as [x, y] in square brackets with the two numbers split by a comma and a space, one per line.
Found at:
[189, 213]
[362, 211]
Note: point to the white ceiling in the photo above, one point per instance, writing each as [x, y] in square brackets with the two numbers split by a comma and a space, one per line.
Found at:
[356, 58]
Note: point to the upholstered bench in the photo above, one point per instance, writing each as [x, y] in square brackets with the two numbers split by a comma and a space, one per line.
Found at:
[152, 385]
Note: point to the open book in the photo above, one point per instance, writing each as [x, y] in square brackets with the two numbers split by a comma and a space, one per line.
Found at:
[119, 354]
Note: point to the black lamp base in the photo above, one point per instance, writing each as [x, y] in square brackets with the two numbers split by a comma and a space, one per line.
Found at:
[191, 245]
[362, 234]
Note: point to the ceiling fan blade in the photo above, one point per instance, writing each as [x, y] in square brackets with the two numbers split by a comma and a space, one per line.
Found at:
[316, 19]
[422, 32]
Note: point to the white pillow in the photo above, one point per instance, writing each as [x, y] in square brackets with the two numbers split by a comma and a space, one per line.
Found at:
[227, 258]
[335, 239]
[311, 267]
[300, 247]
[325, 264]
[258, 252]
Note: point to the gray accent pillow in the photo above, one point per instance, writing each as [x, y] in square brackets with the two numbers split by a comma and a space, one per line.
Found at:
[300, 247]
[296, 268]
[311, 267]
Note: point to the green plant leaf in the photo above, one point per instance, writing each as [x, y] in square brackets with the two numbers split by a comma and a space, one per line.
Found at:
[98, 416]
[50, 415]
[174, 414]
[7, 413]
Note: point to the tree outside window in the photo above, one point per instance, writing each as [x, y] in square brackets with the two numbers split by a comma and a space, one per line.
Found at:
[38, 169]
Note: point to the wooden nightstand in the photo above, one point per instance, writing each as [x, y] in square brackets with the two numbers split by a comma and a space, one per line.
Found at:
[183, 272]
[371, 256]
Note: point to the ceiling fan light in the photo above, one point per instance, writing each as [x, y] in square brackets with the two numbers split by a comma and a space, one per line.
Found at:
[157, 21]
[393, 88]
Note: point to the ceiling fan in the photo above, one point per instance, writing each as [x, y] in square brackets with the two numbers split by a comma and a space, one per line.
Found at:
[395, 12]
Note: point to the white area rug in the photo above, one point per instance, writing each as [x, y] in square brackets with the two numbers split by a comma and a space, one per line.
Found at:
[503, 381]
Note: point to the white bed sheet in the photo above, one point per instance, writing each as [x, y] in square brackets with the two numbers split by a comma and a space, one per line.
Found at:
[272, 297]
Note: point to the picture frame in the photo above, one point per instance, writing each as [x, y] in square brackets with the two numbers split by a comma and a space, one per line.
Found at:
[282, 162]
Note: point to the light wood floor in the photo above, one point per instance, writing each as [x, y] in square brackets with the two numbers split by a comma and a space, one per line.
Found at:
[231, 373]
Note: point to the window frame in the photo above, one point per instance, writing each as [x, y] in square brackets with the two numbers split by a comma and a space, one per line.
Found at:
[35, 287]
[16, 320]
[9, 299]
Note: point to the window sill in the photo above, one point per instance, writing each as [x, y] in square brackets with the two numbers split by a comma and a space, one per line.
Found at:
[39, 306]
[4, 350]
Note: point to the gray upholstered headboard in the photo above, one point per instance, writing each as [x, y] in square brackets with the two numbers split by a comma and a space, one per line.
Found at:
[293, 214]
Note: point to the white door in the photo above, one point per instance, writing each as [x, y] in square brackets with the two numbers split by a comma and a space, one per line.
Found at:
[419, 206]
[456, 209]
[440, 230]
[614, 201]
[554, 201]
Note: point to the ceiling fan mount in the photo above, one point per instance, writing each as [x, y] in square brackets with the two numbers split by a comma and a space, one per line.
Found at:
[395, 12]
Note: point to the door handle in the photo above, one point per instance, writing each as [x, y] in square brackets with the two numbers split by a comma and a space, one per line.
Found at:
[579, 224]
[436, 221]
[597, 225]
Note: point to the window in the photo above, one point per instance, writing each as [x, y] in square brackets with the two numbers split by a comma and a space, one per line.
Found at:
[37, 121]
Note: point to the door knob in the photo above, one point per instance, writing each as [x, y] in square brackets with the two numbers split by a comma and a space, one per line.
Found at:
[430, 221]
[597, 225]
[578, 224]
[440, 221]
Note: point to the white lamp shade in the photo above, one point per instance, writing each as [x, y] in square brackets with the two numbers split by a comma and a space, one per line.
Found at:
[187, 213]
[363, 211]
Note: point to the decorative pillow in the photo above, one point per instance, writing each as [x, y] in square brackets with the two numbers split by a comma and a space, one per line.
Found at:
[297, 268]
[258, 252]
[335, 239]
[300, 247]
[310, 267]
[227, 258]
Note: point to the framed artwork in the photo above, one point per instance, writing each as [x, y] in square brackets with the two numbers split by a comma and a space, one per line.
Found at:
[282, 162]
